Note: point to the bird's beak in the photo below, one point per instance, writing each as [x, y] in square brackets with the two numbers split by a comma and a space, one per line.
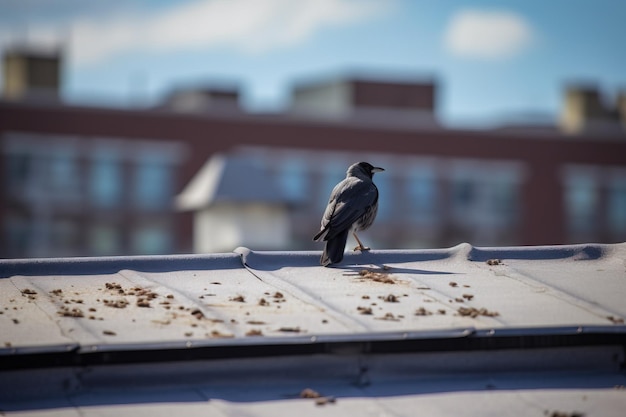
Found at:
[377, 169]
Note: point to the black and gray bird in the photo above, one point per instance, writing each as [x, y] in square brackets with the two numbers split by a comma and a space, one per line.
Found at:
[352, 207]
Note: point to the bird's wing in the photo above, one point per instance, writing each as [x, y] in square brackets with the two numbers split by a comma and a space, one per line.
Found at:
[348, 202]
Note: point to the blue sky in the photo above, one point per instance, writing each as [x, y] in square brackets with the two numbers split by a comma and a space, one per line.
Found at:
[493, 60]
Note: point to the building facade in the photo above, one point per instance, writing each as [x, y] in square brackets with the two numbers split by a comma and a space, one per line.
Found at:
[84, 181]
[99, 181]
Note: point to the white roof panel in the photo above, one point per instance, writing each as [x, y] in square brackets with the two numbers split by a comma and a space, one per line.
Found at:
[159, 299]
[460, 331]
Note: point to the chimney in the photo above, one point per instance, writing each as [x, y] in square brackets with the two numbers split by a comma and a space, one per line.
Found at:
[585, 111]
[32, 74]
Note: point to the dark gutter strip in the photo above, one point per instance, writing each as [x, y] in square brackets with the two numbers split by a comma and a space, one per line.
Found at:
[445, 341]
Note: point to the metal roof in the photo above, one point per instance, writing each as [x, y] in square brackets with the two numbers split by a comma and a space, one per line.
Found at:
[229, 178]
[386, 330]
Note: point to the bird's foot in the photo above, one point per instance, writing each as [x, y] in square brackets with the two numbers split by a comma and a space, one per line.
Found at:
[360, 246]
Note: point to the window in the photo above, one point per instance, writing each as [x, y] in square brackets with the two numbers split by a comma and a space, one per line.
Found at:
[153, 185]
[20, 162]
[106, 184]
[466, 200]
[43, 170]
[504, 200]
[19, 166]
[464, 193]
[422, 194]
[582, 203]
[63, 173]
[293, 179]
[617, 207]
[484, 200]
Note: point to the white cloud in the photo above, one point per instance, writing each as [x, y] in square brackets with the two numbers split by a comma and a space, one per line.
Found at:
[487, 34]
[250, 26]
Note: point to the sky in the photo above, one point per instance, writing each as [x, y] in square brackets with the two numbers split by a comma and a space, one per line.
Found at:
[493, 61]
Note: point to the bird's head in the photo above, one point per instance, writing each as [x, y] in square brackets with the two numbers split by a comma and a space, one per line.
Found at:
[364, 168]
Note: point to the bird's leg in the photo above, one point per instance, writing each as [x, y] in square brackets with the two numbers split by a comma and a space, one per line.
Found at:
[360, 245]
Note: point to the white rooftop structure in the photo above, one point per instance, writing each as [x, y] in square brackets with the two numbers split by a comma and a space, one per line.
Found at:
[229, 178]
[235, 202]
[458, 331]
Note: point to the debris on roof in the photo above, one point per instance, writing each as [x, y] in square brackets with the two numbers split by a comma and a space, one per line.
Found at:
[281, 294]
[463, 331]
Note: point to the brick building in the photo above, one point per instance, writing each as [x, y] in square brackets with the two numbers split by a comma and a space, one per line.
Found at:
[92, 181]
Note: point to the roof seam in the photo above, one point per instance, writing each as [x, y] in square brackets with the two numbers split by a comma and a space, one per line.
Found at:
[563, 295]
[304, 297]
[36, 302]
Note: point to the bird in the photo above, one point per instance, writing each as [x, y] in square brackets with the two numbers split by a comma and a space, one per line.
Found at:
[352, 207]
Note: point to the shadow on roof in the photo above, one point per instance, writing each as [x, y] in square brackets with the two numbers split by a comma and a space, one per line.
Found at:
[269, 261]
[355, 270]
[274, 260]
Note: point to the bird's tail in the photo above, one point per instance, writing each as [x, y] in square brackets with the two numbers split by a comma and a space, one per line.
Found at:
[333, 251]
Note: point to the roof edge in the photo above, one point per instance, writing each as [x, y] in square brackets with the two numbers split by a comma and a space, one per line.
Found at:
[451, 340]
[267, 260]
